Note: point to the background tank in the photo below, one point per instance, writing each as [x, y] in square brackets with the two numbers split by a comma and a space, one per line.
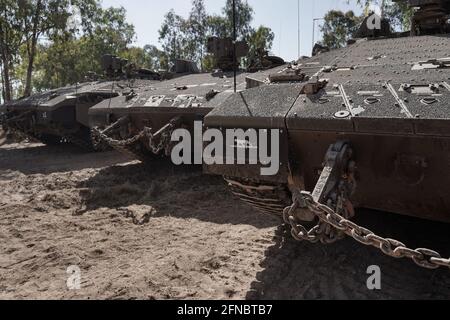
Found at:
[363, 126]
[20, 116]
[61, 115]
[142, 126]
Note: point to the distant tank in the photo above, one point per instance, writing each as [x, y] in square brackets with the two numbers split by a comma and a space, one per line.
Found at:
[365, 126]
[142, 125]
[61, 115]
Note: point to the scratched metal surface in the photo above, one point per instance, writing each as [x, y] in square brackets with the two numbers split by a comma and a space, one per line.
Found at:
[184, 92]
[46, 97]
[367, 90]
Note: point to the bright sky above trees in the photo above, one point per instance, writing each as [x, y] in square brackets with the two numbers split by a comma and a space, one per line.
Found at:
[280, 15]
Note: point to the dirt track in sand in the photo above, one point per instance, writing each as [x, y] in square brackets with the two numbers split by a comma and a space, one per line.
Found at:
[161, 232]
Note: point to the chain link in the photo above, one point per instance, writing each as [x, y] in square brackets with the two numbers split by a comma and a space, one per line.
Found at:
[332, 220]
[157, 142]
[425, 258]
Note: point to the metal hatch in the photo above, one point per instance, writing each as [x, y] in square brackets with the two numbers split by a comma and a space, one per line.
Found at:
[323, 111]
[429, 103]
[379, 111]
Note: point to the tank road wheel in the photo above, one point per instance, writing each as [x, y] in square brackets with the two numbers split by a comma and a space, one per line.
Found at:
[266, 198]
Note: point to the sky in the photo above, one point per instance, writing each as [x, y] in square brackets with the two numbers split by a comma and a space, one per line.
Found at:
[281, 16]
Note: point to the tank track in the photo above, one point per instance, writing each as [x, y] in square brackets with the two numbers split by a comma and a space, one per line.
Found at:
[266, 198]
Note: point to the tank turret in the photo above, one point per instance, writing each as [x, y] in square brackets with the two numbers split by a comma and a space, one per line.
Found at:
[430, 16]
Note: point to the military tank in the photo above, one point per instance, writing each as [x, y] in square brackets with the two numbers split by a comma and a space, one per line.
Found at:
[141, 126]
[365, 126]
[61, 115]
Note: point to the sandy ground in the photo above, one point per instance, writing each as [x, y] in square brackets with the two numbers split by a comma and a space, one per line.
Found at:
[161, 232]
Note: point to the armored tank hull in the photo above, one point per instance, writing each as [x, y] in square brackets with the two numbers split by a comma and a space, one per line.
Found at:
[368, 127]
[20, 115]
[142, 126]
[61, 115]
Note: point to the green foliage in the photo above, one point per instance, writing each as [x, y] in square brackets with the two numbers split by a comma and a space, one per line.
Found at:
[51, 43]
[186, 38]
[11, 40]
[208, 63]
[46, 44]
[171, 36]
[260, 39]
[197, 30]
[67, 59]
[217, 26]
[244, 18]
[148, 57]
[398, 13]
[339, 27]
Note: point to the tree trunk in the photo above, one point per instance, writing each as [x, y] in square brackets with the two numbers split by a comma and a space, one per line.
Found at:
[6, 78]
[3, 81]
[4, 55]
[201, 57]
[32, 49]
[31, 56]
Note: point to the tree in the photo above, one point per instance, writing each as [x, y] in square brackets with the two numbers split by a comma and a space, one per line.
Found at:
[398, 13]
[110, 34]
[217, 26]
[172, 35]
[339, 27]
[10, 41]
[244, 18]
[39, 18]
[69, 57]
[62, 39]
[157, 57]
[148, 57]
[23, 25]
[197, 29]
[186, 39]
[261, 39]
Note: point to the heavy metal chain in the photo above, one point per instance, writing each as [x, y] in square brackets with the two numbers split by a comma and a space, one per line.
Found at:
[333, 218]
[333, 189]
[425, 258]
[158, 142]
[164, 136]
[99, 136]
[321, 232]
